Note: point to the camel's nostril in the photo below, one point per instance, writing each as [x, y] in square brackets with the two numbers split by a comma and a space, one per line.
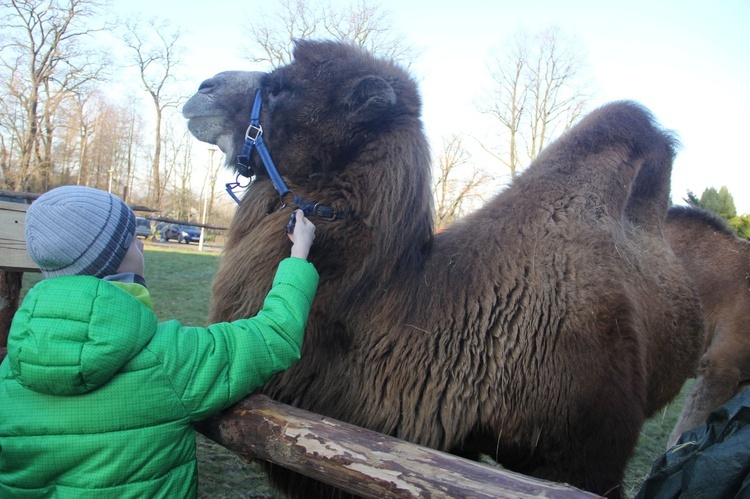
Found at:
[207, 86]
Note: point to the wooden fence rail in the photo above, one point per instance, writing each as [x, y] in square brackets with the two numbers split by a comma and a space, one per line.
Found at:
[354, 459]
[14, 261]
[362, 461]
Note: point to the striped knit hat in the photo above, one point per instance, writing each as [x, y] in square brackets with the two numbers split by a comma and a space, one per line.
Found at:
[74, 230]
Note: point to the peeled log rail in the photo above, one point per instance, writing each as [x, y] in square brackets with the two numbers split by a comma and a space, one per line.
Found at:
[362, 461]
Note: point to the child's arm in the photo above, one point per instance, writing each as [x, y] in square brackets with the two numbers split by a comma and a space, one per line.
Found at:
[219, 365]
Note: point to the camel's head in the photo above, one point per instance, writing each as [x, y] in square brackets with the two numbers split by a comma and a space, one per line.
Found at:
[318, 112]
[343, 129]
[322, 110]
[218, 113]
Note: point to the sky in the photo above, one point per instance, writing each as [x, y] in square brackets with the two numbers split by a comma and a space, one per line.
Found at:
[688, 61]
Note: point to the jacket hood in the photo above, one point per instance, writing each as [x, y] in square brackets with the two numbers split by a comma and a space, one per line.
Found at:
[73, 333]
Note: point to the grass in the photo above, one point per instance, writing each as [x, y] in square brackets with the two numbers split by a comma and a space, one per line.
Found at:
[180, 284]
[653, 442]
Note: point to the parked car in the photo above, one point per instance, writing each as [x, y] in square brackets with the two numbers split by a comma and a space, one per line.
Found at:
[182, 233]
[142, 227]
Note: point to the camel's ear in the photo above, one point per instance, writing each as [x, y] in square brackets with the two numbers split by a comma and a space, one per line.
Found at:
[370, 97]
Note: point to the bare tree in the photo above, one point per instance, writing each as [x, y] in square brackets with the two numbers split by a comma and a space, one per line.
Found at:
[361, 23]
[156, 54]
[178, 155]
[558, 95]
[5, 159]
[132, 141]
[42, 59]
[540, 89]
[67, 144]
[12, 131]
[508, 99]
[456, 184]
[208, 188]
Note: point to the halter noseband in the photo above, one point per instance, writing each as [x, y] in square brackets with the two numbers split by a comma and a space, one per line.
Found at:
[254, 141]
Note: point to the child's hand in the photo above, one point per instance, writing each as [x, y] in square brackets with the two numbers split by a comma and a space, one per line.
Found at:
[302, 236]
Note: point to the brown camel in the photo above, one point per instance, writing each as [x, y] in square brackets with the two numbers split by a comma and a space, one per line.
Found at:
[541, 330]
[718, 264]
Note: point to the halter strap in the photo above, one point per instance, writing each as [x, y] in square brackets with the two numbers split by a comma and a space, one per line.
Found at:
[254, 141]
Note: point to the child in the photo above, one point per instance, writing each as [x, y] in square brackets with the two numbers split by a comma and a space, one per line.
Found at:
[97, 399]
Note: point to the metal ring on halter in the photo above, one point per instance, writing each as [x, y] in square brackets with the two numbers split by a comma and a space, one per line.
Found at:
[231, 186]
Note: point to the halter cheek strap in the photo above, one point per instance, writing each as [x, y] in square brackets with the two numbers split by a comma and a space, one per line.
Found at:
[254, 141]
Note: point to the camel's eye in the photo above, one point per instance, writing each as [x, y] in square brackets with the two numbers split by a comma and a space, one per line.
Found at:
[275, 88]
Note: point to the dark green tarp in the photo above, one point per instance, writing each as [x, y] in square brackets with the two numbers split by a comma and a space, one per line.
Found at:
[710, 461]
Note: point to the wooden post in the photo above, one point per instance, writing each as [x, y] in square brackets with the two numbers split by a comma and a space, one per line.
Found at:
[362, 461]
[13, 255]
[14, 261]
[10, 291]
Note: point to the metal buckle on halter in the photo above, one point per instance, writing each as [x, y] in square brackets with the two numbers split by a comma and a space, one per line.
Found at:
[325, 212]
[253, 132]
[243, 167]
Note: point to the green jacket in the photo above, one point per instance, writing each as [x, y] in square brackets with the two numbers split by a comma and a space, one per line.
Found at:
[97, 399]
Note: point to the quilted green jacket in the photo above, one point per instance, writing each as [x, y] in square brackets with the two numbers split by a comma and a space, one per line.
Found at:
[97, 399]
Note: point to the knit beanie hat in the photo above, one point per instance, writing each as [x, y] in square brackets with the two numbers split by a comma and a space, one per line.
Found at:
[74, 230]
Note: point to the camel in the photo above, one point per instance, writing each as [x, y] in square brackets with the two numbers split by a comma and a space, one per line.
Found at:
[541, 330]
[718, 263]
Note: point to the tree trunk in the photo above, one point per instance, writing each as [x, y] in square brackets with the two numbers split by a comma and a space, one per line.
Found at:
[155, 167]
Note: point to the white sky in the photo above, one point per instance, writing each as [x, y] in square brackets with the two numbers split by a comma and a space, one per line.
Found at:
[686, 60]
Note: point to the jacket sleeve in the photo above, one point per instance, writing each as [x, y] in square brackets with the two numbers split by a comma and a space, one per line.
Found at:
[212, 368]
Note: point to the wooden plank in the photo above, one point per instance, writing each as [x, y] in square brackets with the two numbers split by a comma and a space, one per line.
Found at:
[362, 461]
[13, 254]
[28, 196]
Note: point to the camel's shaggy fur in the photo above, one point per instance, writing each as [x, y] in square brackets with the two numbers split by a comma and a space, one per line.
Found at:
[718, 263]
[541, 330]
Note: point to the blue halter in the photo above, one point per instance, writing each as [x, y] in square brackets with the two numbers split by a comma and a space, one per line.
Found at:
[254, 141]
